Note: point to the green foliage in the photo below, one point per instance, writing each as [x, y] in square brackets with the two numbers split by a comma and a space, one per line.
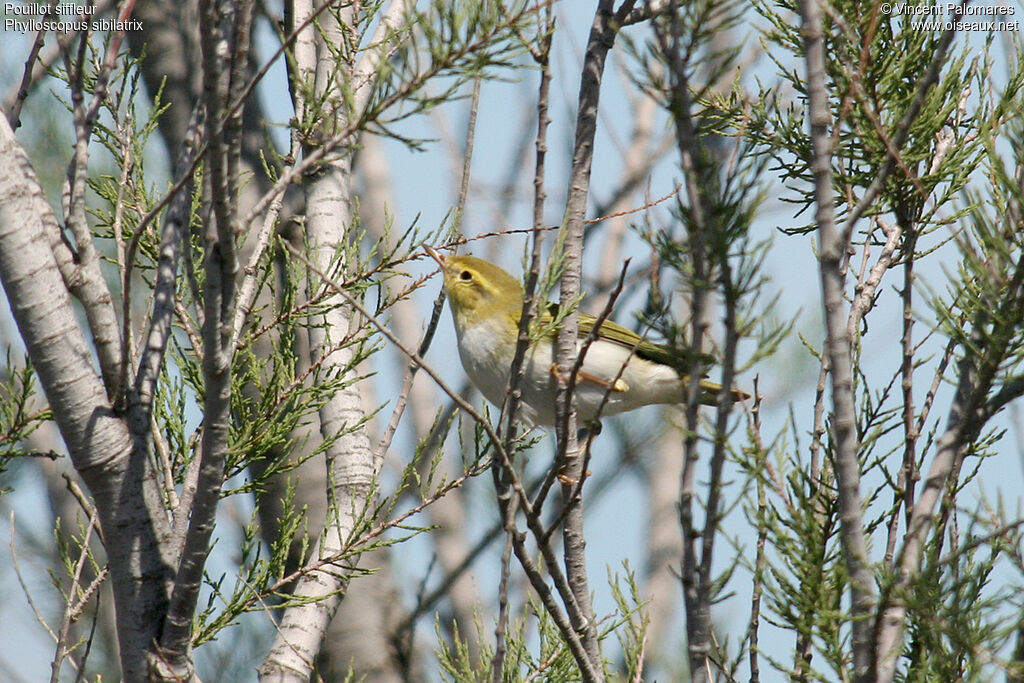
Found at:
[78, 578]
[945, 640]
[630, 625]
[980, 312]
[948, 189]
[536, 649]
[20, 414]
[126, 138]
[803, 577]
[439, 50]
[876, 66]
[261, 574]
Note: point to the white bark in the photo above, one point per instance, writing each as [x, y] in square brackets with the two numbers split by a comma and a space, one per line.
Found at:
[351, 466]
[119, 476]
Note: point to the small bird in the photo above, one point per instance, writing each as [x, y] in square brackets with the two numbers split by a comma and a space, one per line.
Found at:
[621, 371]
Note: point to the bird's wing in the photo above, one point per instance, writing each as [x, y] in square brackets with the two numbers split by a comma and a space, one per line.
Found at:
[645, 349]
[629, 339]
[613, 332]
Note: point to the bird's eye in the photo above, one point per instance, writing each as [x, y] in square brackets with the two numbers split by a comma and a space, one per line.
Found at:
[466, 275]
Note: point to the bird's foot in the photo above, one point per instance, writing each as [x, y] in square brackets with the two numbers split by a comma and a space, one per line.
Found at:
[617, 385]
[568, 480]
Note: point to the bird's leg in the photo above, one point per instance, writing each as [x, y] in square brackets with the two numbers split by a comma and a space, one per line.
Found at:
[588, 431]
[617, 385]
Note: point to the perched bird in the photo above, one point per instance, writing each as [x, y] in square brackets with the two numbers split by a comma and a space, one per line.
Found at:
[621, 371]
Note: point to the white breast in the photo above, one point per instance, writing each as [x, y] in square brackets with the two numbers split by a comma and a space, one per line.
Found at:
[486, 366]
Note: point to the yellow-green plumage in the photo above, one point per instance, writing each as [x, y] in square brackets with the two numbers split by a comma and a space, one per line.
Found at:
[621, 371]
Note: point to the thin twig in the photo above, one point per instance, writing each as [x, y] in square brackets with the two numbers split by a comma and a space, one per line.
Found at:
[760, 560]
[71, 608]
[569, 458]
[838, 347]
[24, 586]
[14, 106]
[672, 44]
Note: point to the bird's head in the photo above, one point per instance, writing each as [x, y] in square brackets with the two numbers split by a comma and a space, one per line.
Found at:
[479, 290]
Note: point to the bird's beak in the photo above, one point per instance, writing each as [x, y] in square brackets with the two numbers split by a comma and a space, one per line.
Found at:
[437, 257]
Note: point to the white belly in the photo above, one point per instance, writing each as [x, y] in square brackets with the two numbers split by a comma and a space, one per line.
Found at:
[637, 382]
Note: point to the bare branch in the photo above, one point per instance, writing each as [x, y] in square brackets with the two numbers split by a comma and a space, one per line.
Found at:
[603, 30]
[87, 282]
[172, 658]
[838, 347]
[128, 501]
[164, 291]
